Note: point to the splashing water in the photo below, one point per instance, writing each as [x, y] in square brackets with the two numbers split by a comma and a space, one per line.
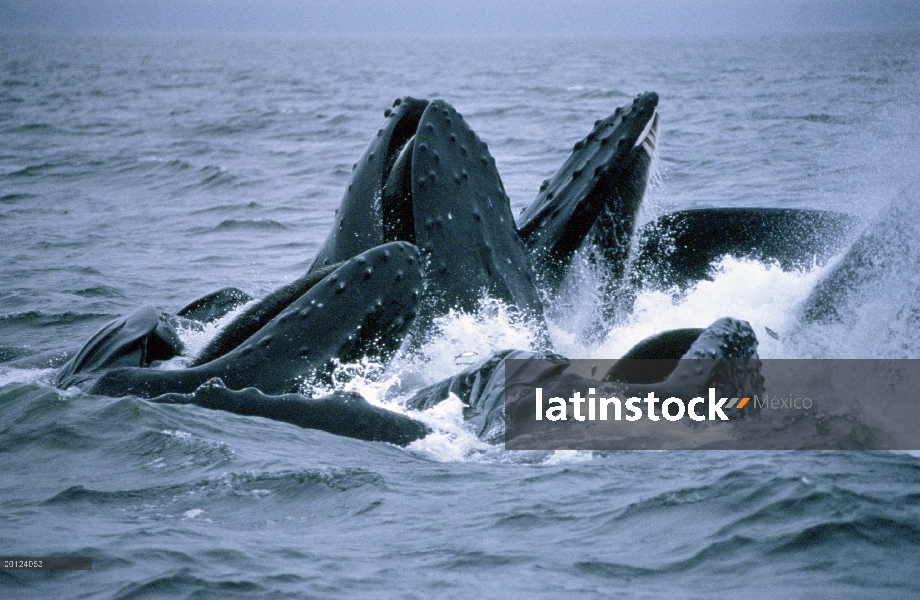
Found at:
[763, 295]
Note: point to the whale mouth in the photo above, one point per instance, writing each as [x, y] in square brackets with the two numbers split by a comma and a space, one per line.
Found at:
[641, 163]
[396, 198]
[648, 139]
[396, 192]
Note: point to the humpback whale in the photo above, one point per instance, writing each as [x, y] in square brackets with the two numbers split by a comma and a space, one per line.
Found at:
[258, 315]
[595, 194]
[137, 340]
[681, 248]
[215, 305]
[425, 227]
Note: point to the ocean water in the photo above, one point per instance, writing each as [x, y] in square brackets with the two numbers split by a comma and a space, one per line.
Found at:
[151, 170]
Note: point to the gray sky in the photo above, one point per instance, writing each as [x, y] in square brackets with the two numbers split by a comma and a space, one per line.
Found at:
[460, 17]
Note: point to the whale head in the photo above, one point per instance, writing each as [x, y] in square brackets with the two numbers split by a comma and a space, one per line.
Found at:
[596, 193]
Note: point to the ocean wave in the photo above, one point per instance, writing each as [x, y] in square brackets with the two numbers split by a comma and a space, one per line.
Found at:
[872, 530]
[173, 450]
[31, 414]
[826, 119]
[234, 126]
[298, 485]
[32, 128]
[15, 196]
[242, 225]
[41, 319]
[212, 177]
[183, 581]
[251, 205]
[260, 224]
[174, 165]
[98, 291]
[35, 170]
[8, 353]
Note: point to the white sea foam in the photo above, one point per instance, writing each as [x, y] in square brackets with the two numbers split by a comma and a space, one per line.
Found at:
[763, 295]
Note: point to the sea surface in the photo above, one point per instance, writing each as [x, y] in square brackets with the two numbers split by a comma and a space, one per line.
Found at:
[152, 170]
